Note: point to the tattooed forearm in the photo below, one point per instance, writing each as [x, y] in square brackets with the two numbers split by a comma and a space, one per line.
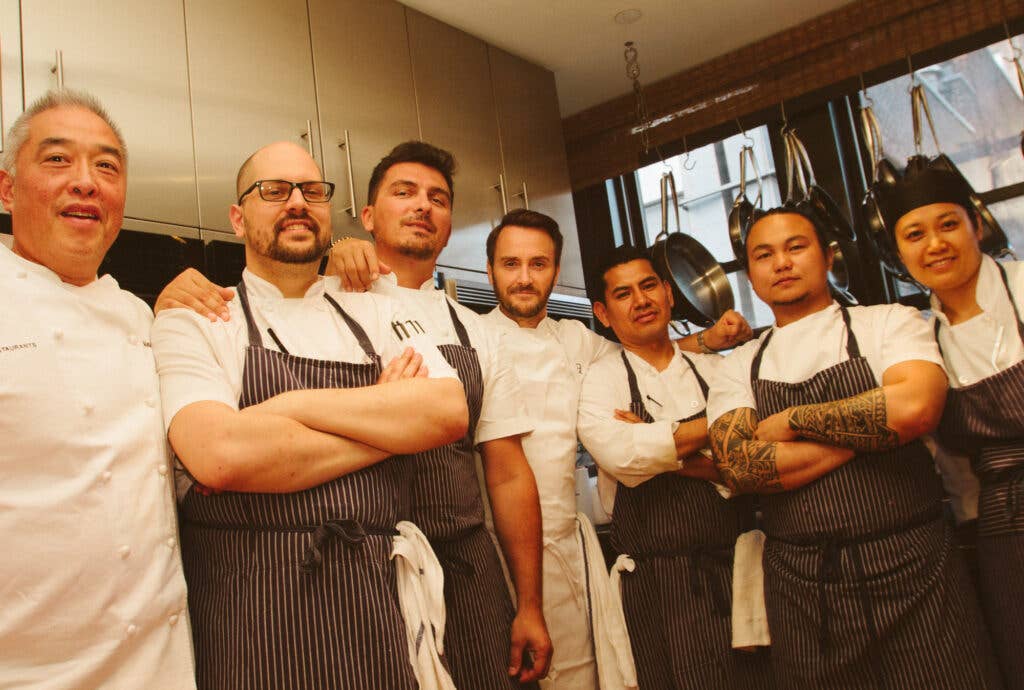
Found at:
[745, 465]
[858, 422]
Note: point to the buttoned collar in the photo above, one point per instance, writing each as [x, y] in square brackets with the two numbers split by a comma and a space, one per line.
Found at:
[391, 278]
[264, 290]
[23, 267]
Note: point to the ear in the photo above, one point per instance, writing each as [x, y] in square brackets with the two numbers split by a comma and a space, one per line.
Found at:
[558, 272]
[830, 255]
[490, 274]
[237, 220]
[602, 314]
[7, 190]
[366, 216]
[671, 294]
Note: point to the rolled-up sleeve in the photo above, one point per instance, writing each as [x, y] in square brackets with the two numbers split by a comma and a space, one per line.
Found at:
[502, 412]
[187, 363]
[629, 453]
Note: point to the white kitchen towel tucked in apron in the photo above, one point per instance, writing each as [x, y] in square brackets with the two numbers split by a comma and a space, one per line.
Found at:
[615, 667]
[420, 582]
[749, 616]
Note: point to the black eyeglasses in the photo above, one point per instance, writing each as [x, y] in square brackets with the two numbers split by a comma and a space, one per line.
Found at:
[314, 192]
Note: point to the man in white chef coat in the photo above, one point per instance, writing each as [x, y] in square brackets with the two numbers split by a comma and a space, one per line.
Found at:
[641, 416]
[551, 359]
[91, 576]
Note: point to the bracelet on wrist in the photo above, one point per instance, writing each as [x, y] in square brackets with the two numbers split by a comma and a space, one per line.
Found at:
[704, 346]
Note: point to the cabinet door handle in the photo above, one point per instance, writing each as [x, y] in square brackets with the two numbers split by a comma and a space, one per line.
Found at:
[525, 196]
[308, 136]
[351, 208]
[58, 69]
[501, 190]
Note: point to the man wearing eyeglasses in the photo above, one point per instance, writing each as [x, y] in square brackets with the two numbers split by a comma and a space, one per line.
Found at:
[290, 437]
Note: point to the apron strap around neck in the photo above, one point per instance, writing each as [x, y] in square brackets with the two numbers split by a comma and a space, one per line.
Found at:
[255, 339]
[357, 330]
[700, 379]
[1013, 301]
[460, 330]
[634, 387]
[852, 347]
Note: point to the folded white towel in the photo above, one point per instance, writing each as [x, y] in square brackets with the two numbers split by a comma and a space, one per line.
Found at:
[749, 616]
[420, 582]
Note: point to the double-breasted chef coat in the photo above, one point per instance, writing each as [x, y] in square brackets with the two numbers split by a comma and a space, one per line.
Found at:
[551, 361]
[91, 578]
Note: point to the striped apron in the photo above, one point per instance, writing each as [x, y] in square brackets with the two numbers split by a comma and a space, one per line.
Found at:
[680, 533]
[862, 586]
[298, 590]
[986, 421]
[448, 507]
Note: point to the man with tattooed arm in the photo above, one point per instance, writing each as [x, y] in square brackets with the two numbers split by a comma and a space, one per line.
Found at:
[822, 416]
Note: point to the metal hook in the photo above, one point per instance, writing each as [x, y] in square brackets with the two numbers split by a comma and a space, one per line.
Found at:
[688, 164]
[910, 67]
[1009, 39]
[785, 122]
[746, 136]
[864, 93]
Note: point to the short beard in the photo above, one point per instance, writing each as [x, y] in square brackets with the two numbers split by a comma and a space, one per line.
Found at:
[420, 252]
[274, 250]
[790, 302]
[510, 308]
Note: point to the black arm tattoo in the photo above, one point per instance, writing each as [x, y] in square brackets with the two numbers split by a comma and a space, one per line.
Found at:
[745, 465]
[857, 422]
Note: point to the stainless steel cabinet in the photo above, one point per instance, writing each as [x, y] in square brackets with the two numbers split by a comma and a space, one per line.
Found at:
[130, 55]
[456, 108]
[533, 150]
[10, 68]
[365, 92]
[250, 67]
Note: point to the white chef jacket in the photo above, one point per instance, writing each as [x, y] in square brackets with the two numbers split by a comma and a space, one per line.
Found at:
[201, 360]
[550, 362]
[503, 413]
[886, 333]
[91, 581]
[634, 453]
[988, 343]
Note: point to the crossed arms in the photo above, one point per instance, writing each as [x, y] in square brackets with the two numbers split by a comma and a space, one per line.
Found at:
[799, 444]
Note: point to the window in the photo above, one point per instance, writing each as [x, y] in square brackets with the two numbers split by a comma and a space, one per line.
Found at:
[707, 182]
[978, 110]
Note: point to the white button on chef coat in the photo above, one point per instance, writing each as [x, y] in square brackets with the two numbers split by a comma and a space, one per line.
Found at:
[634, 453]
[76, 597]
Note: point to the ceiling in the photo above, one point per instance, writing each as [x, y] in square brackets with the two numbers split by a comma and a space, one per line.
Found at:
[580, 41]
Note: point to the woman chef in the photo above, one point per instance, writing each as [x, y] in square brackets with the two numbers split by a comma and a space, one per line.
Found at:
[978, 326]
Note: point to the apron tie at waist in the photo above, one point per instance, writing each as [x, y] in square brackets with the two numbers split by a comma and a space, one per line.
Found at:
[350, 532]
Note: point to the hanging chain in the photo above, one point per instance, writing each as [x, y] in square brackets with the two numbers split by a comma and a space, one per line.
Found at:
[633, 73]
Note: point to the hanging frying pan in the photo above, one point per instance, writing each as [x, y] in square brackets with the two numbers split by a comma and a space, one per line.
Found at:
[993, 239]
[884, 176]
[700, 287]
[843, 249]
[818, 198]
[742, 208]
[883, 170]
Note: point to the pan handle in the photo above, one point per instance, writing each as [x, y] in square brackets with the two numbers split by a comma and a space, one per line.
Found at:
[866, 115]
[796, 169]
[919, 104]
[790, 166]
[748, 154]
[668, 187]
[805, 162]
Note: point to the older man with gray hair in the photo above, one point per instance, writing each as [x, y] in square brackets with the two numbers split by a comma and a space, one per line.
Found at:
[91, 577]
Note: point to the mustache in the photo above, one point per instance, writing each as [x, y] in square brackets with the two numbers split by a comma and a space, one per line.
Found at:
[423, 219]
[303, 216]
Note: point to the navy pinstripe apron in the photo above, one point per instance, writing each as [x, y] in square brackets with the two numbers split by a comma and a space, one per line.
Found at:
[447, 506]
[298, 590]
[678, 602]
[986, 421]
[862, 585]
